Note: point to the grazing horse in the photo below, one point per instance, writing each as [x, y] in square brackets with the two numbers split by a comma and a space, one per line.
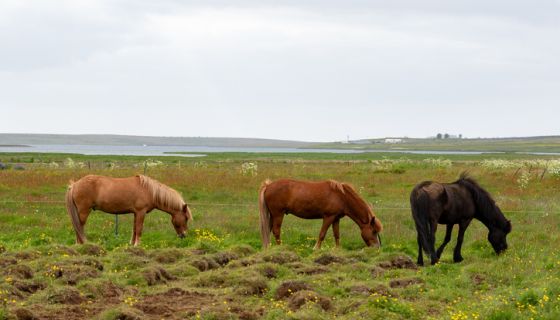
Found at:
[327, 200]
[455, 203]
[138, 195]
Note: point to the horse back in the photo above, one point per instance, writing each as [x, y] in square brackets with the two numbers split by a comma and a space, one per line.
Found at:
[305, 199]
[113, 195]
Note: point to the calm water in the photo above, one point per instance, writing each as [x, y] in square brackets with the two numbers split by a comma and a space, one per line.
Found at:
[167, 150]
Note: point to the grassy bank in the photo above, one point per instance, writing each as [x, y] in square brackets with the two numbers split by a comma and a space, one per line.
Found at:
[219, 270]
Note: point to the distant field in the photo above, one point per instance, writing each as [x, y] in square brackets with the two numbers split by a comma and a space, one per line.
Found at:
[219, 270]
[529, 144]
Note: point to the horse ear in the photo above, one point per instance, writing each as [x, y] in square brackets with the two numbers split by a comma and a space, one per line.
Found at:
[372, 222]
[508, 226]
[184, 208]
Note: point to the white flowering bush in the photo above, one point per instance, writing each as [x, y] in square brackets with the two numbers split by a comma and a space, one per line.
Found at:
[438, 163]
[499, 164]
[201, 164]
[69, 163]
[53, 165]
[523, 180]
[152, 163]
[249, 168]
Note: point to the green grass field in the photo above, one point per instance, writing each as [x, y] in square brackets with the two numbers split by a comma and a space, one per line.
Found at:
[219, 270]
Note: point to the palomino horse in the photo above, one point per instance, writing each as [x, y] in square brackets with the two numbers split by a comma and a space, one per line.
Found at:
[455, 203]
[327, 200]
[138, 195]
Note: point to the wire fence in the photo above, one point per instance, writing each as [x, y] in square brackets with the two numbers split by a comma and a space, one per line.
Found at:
[55, 203]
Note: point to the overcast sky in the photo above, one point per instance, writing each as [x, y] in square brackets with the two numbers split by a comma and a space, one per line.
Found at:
[303, 70]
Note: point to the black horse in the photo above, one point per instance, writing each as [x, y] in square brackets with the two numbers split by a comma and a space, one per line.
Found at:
[455, 203]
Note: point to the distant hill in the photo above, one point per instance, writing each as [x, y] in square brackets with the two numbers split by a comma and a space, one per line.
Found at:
[121, 140]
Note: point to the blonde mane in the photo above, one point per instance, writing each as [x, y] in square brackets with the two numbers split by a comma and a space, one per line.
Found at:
[163, 196]
[335, 185]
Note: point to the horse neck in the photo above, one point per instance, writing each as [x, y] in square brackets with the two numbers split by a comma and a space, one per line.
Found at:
[357, 210]
[491, 218]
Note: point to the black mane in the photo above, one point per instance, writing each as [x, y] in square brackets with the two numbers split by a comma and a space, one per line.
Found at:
[485, 205]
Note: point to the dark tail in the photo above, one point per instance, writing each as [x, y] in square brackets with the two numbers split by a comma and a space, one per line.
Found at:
[266, 224]
[420, 205]
[73, 213]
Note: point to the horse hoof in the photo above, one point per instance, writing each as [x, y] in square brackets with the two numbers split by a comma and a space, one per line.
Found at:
[458, 259]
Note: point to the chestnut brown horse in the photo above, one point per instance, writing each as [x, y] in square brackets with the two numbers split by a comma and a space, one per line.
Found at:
[138, 195]
[328, 200]
[455, 203]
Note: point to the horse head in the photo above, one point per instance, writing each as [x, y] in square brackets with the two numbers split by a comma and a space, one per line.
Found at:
[370, 232]
[180, 219]
[497, 235]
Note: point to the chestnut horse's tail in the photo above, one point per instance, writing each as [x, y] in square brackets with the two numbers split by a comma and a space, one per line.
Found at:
[73, 213]
[266, 224]
[420, 205]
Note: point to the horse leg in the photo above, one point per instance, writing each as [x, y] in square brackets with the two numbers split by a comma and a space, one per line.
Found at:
[420, 260]
[138, 225]
[446, 240]
[276, 225]
[432, 249]
[83, 213]
[336, 232]
[457, 252]
[327, 221]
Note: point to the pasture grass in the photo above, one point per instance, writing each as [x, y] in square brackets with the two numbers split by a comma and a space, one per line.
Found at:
[219, 271]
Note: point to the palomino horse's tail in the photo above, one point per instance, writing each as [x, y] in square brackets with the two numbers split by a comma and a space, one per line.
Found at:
[266, 225]
[73, 213]
[420, 205]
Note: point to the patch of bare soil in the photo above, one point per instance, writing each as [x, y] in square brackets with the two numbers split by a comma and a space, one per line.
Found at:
[177, 304]
[402, 283]
[300, 298]
[25, 314]
[7, 261]
[286, 289]
[478, 279]
[27, 255]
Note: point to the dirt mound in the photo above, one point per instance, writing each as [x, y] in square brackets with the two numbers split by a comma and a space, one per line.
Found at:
[105, 289]
[65, 295]
[20, 271]
[252, 286]
[286, 289]
[137, 251]
[29, 287]
[205, 263]
[74, 273]
[313, 270]
[25, 314]
[7, 261]
[402, 283]
[327, 259]
[377, 272]
[270, 272]
[300, 298]
[478, 279]
[27, 255]
[166, 256]
[360, 289]
[173, 301]
[223, 258]
[91, 249]
[156, 275]
[399, 262]
[281, 257]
